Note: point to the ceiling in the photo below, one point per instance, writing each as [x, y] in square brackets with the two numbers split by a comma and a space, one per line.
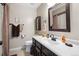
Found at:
[34, 5]
[31, 5]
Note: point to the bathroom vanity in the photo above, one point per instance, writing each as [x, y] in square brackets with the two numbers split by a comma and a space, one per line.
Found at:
[38, 49]
[43, 46]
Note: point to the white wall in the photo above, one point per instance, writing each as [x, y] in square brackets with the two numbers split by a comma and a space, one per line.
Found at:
[1, 20]
[26, 16]
[74, 20]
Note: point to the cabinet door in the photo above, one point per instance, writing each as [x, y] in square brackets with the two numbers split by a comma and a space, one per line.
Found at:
[33, 50]
[47, 52]
[38, 45]
[42, 54]
[38, 52]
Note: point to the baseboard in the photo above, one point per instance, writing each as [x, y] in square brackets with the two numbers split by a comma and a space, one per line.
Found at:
[14, 49]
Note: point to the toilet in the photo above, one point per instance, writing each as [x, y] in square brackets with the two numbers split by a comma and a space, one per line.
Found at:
[28, 45]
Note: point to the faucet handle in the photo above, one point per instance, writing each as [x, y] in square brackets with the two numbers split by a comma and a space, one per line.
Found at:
[48, 36]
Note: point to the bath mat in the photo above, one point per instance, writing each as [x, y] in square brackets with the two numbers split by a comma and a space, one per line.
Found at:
[14, 55]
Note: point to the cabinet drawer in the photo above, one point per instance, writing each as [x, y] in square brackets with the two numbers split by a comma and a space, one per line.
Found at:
[38, 44]
[47, 51]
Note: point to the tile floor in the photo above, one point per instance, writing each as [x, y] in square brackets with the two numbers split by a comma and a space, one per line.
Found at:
[20, 53]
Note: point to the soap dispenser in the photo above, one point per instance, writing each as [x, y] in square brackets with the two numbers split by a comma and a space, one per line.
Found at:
[63, 39]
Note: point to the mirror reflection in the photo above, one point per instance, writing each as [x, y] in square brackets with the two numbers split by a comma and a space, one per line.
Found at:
[59, 17]
[38, 23]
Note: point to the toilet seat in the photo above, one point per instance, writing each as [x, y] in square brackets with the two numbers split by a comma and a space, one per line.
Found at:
[28, 42]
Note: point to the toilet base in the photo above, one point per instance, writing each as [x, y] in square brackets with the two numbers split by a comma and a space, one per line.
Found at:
[28, 48]
[28, 45]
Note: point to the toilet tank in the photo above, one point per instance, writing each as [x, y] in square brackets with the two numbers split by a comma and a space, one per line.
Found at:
[28, 45]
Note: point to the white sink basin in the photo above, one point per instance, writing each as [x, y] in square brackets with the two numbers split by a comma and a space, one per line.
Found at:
[72, 42]
[52, 41]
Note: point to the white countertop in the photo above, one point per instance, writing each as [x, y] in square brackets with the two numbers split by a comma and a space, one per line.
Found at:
[57, 47]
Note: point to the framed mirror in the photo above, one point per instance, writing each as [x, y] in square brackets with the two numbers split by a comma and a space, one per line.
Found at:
[59, 17]
[38, 23]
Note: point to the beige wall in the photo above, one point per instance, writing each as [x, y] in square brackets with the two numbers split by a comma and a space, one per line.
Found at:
[25, 15]
[74, 20]
[42, 11]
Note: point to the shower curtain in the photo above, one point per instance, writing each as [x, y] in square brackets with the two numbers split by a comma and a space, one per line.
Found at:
[5, 29]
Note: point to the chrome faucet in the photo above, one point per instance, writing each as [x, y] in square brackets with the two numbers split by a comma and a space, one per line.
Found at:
[52, 35]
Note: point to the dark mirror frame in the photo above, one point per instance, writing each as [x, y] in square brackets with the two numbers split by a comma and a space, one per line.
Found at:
[67, 19]
[38, 19]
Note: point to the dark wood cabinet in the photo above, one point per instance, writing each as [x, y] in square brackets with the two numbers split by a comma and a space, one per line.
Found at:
[38, 49]
[38, 52]
[33, 49]
[43, 54]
